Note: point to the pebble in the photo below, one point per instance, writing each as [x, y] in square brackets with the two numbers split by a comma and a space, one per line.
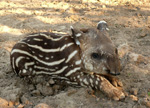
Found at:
[24, 100]
[144, 101]
[51, 81]
[134, 98]
[36, 93]
[45, 90]
[3, 103]
[123, 49]
[73, 10]
[134, 91]
[42, 105]
[148, 19]
[138, 58]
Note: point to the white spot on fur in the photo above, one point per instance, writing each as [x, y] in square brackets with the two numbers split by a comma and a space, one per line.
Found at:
[47, 58]
[52, 56]
[30, 69]
[92, 76]
[40, 55]
[33, 52]
[45, 43]
[96, 82]
[24, 71]
[88, 66]
[28, 40]
[78, 62]
[78, 34]
[22, 45]
[77, 42]
[85, 81]
[78, 76]
[80, 79]
[91, 81]
[37, 39]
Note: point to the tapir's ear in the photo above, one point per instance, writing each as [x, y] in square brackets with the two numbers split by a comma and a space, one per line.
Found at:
[76, 34]
[102, 25]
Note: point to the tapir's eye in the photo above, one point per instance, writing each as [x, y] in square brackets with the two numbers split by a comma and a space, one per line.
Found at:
[95, 55]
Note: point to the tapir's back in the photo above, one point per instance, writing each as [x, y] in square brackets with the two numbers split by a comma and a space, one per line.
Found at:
[45, 53]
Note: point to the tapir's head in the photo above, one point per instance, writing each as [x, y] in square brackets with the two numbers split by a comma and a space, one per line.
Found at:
[98, 53]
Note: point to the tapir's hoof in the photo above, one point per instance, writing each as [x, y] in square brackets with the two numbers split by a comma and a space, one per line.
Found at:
[112, 89]
[117, 94]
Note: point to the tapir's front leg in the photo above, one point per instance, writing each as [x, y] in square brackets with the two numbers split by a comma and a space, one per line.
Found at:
[97, 82]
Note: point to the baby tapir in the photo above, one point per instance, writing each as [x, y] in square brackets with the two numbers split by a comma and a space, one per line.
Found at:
[81, 58]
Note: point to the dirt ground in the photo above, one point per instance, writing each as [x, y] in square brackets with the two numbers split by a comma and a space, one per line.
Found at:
[129, 24]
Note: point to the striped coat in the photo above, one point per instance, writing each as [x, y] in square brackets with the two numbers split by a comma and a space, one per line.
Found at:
[70, 58]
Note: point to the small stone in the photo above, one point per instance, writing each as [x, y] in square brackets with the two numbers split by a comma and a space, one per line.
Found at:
[134, 98]
[25, 101]
[3, 103]
[134, 91]
[36, 93]
[138, 58]
[51, 81]
[123, 50]
[143, 34]
[148, 19]
[145, 101]
[20, 106]
[45, 90]
[73, 10]
[31, 87]
[103, 6]
[42, 105]
[11, 104]
[126, 94]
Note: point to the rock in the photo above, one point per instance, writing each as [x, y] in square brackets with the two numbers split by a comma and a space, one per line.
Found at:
[56, 88]
[134, 98]
[31, 87]
[42, 105]
[51, 81]
[138, 58]
[36, 93]
[3, 103]
[11, 104]
[134, 91]
[145, 101]
[45, 90]
[20, 106]
[123, 50]
[148, 19]
[144, 32]
[126, 94]
[103, 6]
[73, 10]
[25, 101]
